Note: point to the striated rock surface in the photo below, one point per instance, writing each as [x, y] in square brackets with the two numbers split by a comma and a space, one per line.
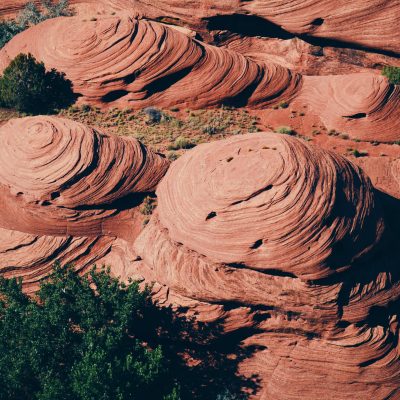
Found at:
[266, 233]
[124, 62]
[363, 105]
[135, 63]
[364, 23]
[337, 22]
[68, 192]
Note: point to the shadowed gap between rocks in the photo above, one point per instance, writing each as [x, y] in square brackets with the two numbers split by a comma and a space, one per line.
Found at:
[206, 357]
[252, 25]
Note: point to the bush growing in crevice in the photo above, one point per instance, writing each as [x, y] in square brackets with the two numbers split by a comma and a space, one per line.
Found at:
[392, 73]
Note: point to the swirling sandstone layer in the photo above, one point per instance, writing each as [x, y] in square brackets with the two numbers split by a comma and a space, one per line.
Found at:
[124, 62]
[131, 63]
[363, 105]
[266, 233]
[67, 192]
[368, 23]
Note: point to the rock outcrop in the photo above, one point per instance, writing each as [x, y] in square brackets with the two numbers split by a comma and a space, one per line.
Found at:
[135, 63]
[363, 23]
[265, 233]
[338, 22]
[68, 192]
[124, 62]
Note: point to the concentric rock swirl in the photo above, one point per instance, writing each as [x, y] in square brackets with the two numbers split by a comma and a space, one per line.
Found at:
[266, 233]
[67, 192]
[131, 63]
[125, 62]
[293, 198]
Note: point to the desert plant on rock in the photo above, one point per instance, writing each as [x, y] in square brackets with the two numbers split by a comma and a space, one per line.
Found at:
[392, 73]
[28, 87]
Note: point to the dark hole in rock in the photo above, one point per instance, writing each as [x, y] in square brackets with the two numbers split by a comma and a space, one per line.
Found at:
[256, 244]
[247, 25]
[212, 214]
[317, 22]
[356, 116]
[113, 96]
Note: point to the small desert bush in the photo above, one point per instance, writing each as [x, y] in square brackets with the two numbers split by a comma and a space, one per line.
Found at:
[392, 73]
[286, 130]
[32, 15]
[148, 205]
[359, 153]
[181, 143]
[26, 86]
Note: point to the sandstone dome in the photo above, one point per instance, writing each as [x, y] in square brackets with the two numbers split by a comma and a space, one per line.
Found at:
[125, 62]
[70, 193]
[270, 202]
[286, 245]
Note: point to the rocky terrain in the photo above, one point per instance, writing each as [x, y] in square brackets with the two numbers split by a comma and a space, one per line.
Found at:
[285, 236]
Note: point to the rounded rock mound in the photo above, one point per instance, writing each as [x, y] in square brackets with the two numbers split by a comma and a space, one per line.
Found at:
[285, 247]
[271, 202]
[69, 164]
[70, 193]
[125, 62]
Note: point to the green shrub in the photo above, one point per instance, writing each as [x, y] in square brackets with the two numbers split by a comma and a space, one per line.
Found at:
[148, 205]
[28, 87]
[356, 153]
[92, 337]
[286, 130]
[181, 143]
[393, 74]
[8, 29]
[32, 15]
[75, 343]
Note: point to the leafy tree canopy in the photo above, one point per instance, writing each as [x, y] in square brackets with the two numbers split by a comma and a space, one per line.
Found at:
[74, 343]
[28, 87]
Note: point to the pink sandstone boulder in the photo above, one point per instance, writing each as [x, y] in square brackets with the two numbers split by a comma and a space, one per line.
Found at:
[366, 23]
[124, 62]
[265, 233]
[68, 192]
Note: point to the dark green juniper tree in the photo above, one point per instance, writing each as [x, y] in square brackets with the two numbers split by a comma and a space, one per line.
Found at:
[26, 86]
[76, 343]
[94, 338]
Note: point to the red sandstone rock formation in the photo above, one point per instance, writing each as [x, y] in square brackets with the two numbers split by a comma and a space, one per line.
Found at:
[135, 63]
[265, 232]
[368, 23]
[363, 105]
[67, 192]
[130, 63]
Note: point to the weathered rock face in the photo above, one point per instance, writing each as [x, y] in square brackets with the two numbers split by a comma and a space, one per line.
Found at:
[131, 63]
[266, 233]
[336, 21]
[124, 62]
[363, 105]
[357, 24]
[68, 192]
